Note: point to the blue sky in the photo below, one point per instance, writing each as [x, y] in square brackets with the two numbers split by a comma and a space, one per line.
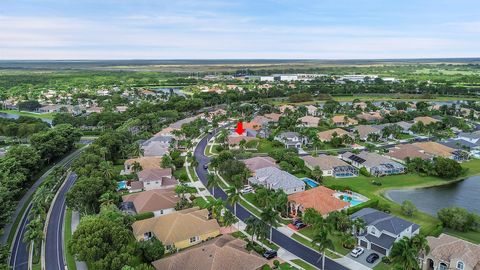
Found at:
[221, 29]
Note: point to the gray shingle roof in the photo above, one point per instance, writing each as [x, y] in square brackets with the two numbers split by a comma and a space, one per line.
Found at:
[384, 240]
[275, 178]
[382, 221]
[458, 143]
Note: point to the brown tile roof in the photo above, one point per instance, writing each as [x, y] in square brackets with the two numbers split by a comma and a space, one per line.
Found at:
[177, 226]
[146, 162]
[256, 163]
[153, 200]
[402, 151]
[365, 130]
[341, 119]
[273, 116]
[310, 120]
[154, 174]
[235, 140]
[327, 135]
[320, 199]
[435, 149]
[252, 125]
[224, 252]
[425, 120]
[325, 162]
[452, 249]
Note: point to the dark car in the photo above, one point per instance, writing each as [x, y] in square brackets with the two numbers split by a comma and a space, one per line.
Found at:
[270, 254]
[205, 166]
[372, 257]
[294, 222]
[299, 225]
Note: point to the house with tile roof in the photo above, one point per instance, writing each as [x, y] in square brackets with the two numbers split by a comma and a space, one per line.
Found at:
[178, 230]
[330, 166]
[426, 120]
[365, 130]
[343, 121]
[370, 116]
[223, 252]
[144, 162]
[319, 198]
[401, 152]
[158, 201]
[450, 252]
[440, 150]
[382, 230]
[309, 121]
[256, 163]
[312, 110]
[274, 178]
[156, 179]
[327, 135]
[376, 164]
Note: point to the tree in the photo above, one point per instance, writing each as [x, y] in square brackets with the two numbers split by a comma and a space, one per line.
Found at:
[404, 254]
[458, 219]
[317, 173]
[84, 195]
[233, 198]
[408, 208]
[271, 218]
[322, 242]
[152, 249]
[229, 219]
[212, 182]
[447, 168]
[104, 243]
[166, 161]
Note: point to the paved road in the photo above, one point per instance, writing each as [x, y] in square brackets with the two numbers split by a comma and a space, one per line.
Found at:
[54, 259]
[19, 252]
[291, 245]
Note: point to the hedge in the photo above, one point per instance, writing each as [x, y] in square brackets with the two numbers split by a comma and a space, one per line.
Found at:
[143, 216]
[373, 203]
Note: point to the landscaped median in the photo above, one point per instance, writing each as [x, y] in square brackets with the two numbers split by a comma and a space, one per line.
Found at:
[67, 236]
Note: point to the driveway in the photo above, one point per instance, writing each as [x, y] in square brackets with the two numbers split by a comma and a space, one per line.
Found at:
[362, 258]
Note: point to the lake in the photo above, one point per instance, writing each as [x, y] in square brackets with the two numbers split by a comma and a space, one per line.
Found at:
[463, 194]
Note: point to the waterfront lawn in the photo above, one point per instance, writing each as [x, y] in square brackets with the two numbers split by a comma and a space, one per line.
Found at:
[364, 186]
[472, 236]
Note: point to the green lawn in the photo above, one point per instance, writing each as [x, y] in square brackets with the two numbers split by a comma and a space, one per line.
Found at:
[472, 236]
[309, 232]
[428, 223]
[30, 114]
[286, 266]
[383, 266]
[303, 264]
[68, 235]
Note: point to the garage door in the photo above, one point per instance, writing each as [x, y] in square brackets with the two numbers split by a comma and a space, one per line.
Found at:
[363, 243]
[378, 249]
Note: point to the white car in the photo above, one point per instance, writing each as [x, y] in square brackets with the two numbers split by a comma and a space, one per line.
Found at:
[246, 189]
[357, 252]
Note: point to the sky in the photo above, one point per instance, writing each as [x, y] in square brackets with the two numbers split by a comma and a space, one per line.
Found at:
[236, 29]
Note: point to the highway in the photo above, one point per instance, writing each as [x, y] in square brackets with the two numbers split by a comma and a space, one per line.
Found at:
[305, 253]
[19, 252]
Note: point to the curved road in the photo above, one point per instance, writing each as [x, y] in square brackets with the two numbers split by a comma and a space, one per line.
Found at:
[305, 253]
[19, 252]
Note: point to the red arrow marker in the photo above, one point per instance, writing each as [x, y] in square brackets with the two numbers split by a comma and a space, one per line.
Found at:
[240, 128]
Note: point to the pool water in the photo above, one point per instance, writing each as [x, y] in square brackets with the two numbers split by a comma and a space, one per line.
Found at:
[122, 185]
[310, 182]
[353, 201]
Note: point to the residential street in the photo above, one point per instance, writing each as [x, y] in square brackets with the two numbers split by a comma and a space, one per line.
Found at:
[289, 244]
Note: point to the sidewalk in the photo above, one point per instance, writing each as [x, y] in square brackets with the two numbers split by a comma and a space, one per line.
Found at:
[75, 222]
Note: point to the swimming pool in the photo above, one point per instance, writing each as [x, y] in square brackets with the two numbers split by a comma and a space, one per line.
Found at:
[352, 200]
[310, 182]
[122, 185]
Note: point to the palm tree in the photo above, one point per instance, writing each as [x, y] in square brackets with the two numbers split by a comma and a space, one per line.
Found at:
[420, 243]
[348, 240]
[252, 224]
[270, 217]
[106, 169]
[34, 232]
[107, 198]
[405, 254]
[322, 242]
[136, 167]
[215, 206]
[317, 173]
[359, 224]
[229, 219]
[212, 182]
[233, 198]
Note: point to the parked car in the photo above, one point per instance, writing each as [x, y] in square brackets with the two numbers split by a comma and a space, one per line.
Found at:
[357, 252]
[299, 225]
[372, 257]
[205, 166]
[246, 189]
[295, 221]
[270, 254]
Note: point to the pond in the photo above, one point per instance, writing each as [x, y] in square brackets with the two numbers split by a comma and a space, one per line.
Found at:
[463, 194]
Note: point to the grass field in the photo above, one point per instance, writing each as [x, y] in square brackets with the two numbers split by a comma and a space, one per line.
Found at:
[303, 264]
[49, 116]
[67, 236]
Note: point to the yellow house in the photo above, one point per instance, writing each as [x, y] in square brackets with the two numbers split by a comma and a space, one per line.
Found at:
[179, 229]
